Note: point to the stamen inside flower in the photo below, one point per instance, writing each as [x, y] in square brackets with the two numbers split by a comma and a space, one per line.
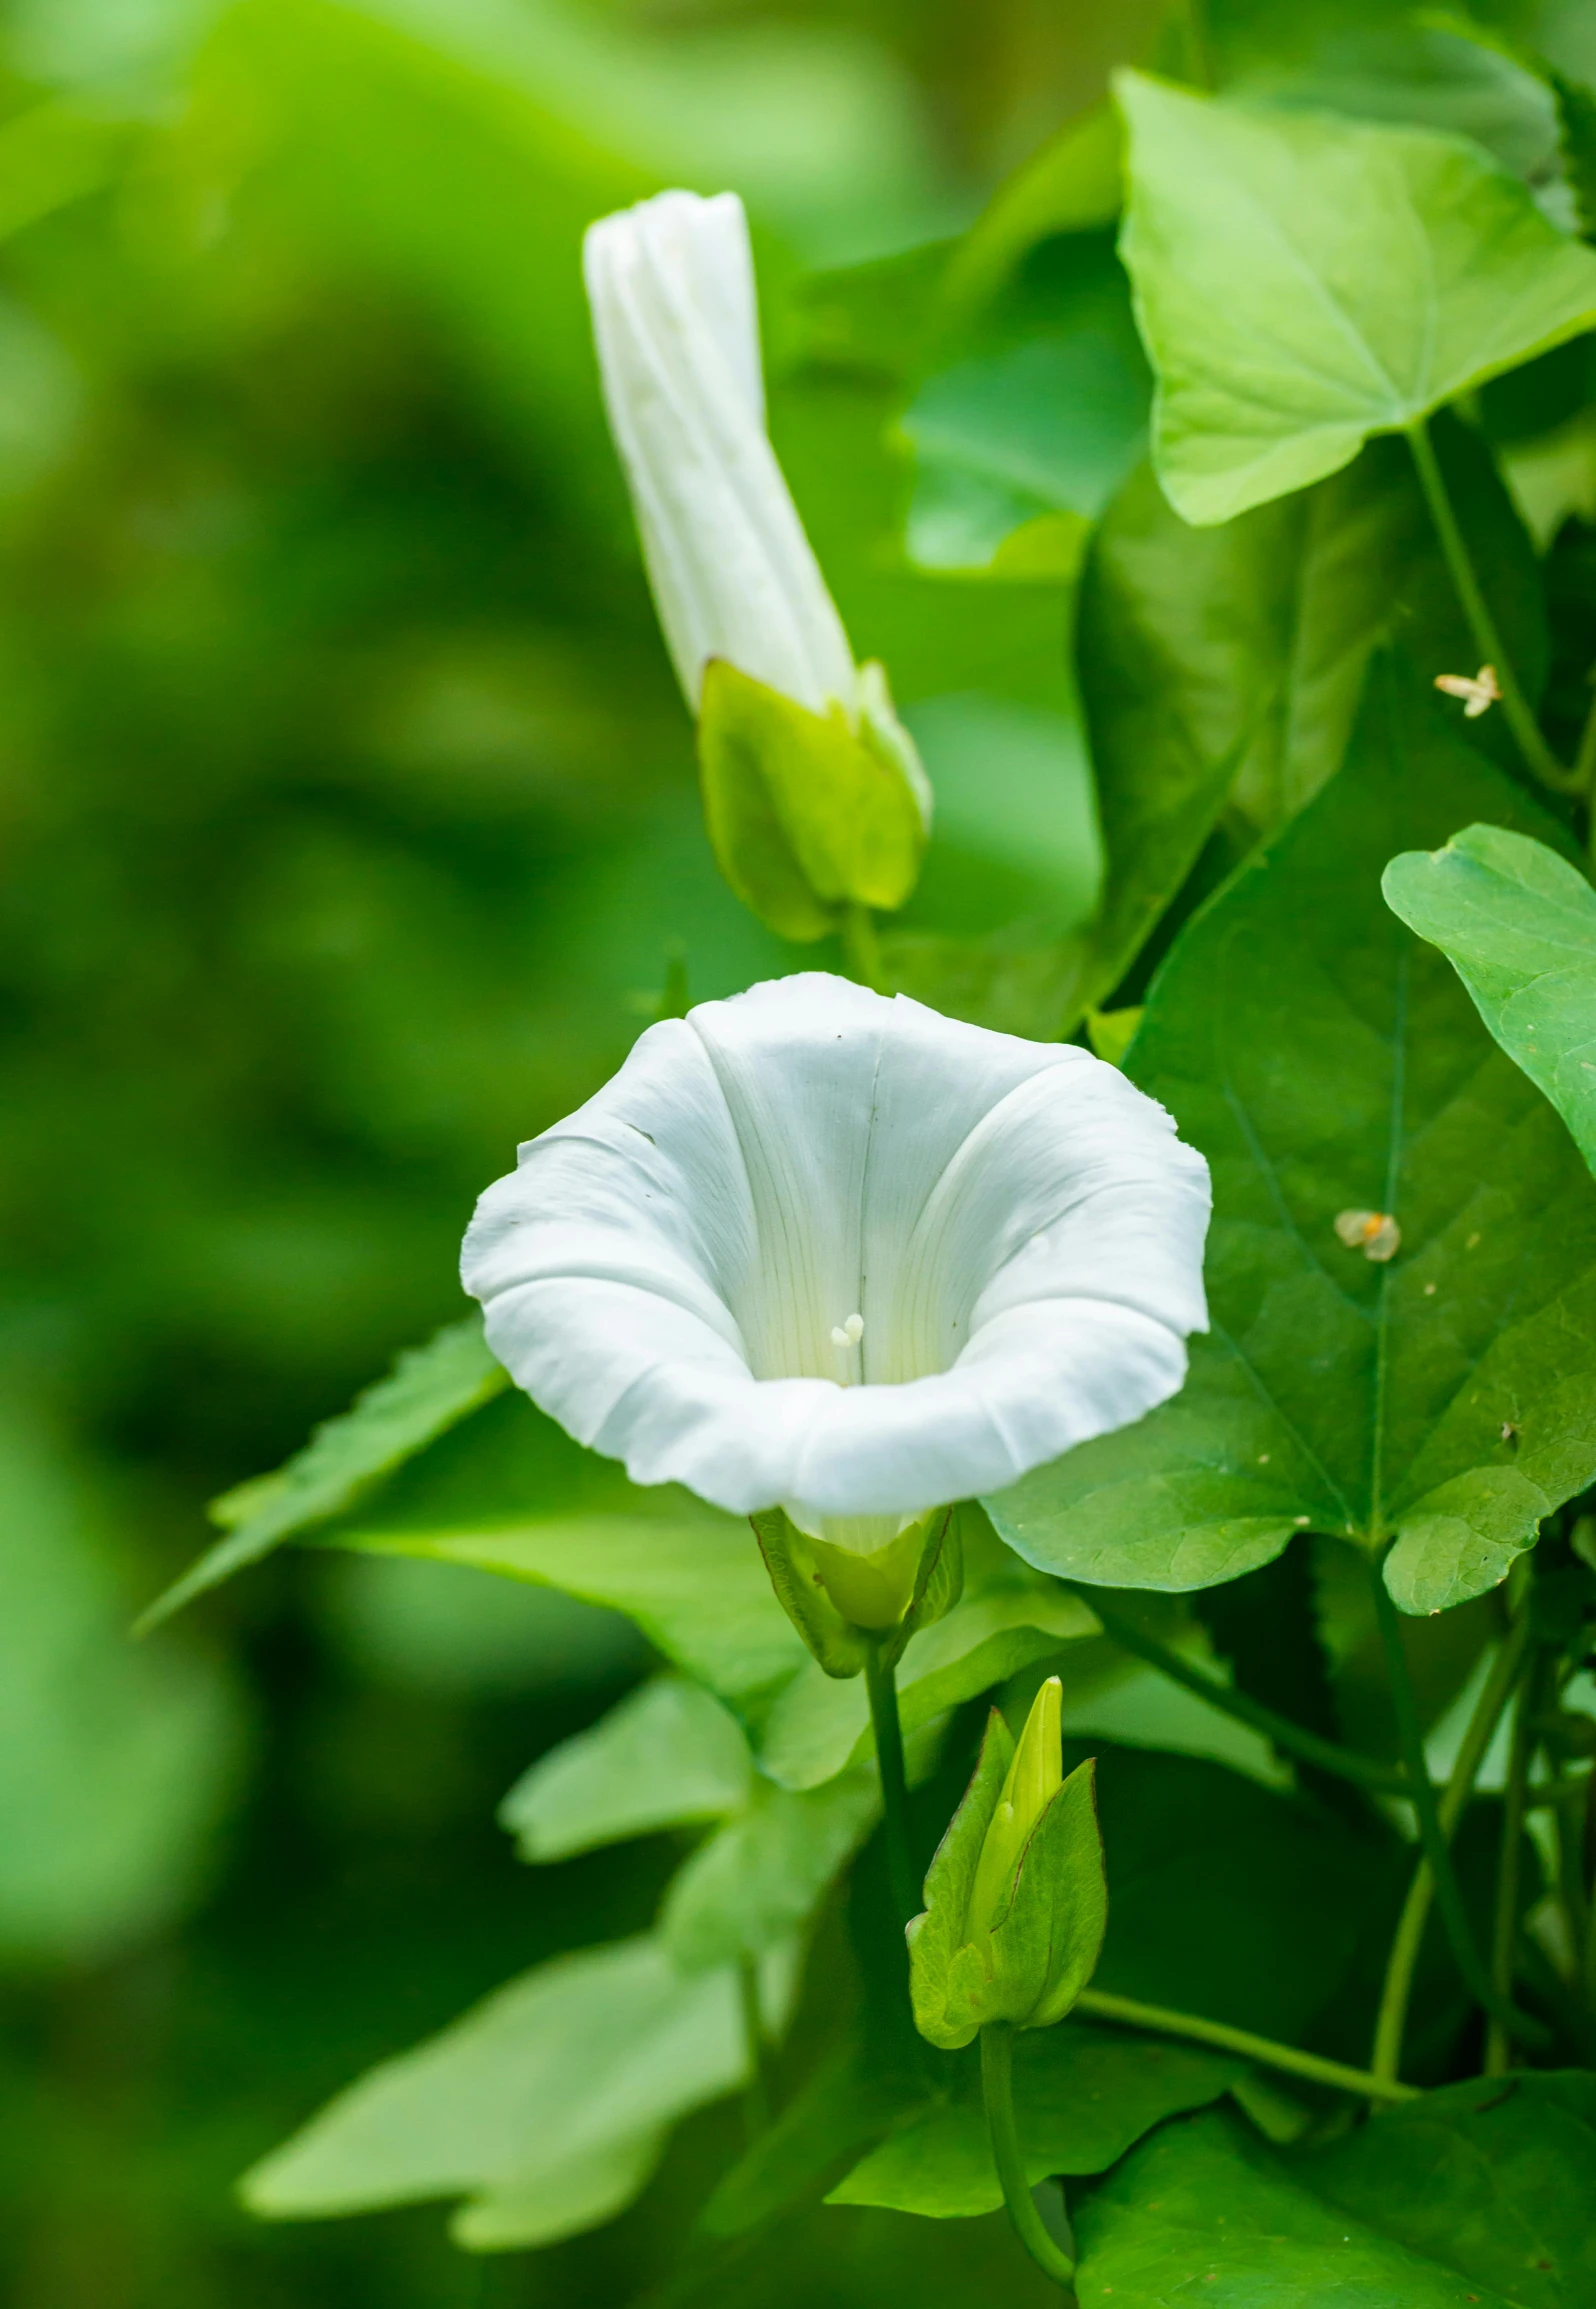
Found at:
[848, 1334]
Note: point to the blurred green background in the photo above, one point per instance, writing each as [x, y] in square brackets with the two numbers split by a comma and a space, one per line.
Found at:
[348, 822]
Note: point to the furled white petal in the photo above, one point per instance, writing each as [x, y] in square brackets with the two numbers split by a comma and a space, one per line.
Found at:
[671, 286]
[1006, 1237]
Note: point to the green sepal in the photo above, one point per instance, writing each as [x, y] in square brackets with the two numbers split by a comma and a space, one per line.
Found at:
[1053, 1930]
[939, 1960]
[805, 815]
[801, 1592]
[808, 1576]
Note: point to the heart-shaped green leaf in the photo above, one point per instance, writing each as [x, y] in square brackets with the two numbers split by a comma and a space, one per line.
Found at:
[1303, 281]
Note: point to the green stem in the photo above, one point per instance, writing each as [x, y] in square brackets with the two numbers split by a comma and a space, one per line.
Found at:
[1504, 1932]
[1386, 2059]
[1585, 762]
[861, 948]
[997, 2083]
[1448, 1898]
[758, 2101]
[1487, 637]
[1294, 1738]
[1587, 1843]
[1199, 48]
[881, 1683]
[1262, 2049]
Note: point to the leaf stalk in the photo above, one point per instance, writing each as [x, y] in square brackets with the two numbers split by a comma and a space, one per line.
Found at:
[1448, 1897]
[1295, 1739]
[1386, 2059]
[1161, 2021]
[1487, 635]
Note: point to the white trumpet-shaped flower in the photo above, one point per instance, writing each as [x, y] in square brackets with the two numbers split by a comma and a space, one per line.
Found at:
[816, 1248]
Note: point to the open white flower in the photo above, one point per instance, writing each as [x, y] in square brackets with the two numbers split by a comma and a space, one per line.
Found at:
[675, 318]
[816, 1248]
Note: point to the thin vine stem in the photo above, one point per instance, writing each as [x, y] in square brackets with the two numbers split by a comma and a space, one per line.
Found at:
[881, 1684]
[758, 2098]
[1386, 2058]
[1585, 761]
[1448, 1897]
[1296, 1739]
[1487, 635]
[997, 2084]
[1159, 2020]
[1199, 45]
[1504, 1932]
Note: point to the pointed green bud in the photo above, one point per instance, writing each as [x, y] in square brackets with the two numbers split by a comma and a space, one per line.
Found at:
[1034, 1777]
[1016, 1899]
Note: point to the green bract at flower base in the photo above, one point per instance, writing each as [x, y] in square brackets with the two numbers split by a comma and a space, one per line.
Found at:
[807, 814]
[1016, 1898]
[843, 1604]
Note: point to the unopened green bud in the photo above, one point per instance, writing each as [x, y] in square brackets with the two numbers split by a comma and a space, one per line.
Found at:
[1034, 1778]
[1016, 1900]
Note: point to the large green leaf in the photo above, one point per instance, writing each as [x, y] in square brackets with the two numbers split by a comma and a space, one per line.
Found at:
[1495, 2178]
[668, 1756]
[1518, 924]
[429, 1390]
[1326, 1062]
[547, 2107]
[1304, 281]
[694, 1583]
[1225, 665]
[1204, 2213]
[1082, 2096]
[1224, 1898]
[1035, 422]
[1480, 2193]
[757, 1880]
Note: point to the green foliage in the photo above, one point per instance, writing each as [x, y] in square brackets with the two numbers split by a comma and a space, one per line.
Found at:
[114, 1763]
[816, 1726]
[757, 1880]
[1303, 282]
[428, 1390]
[546, 2107]
[1327, 1064]
[1489, 2178]
[1083, 2096]
[692, 1581]
[667, 1757]
[1518, 923]
[1483, 2186]
[1033, 427]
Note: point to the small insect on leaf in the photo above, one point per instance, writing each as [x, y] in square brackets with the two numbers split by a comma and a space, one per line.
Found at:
[1374, 1233]
[1478, 691]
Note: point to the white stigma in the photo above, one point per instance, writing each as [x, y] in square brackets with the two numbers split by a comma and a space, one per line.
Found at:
[848, 1334]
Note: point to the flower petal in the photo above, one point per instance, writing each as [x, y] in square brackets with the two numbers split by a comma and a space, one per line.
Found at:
[672, 292]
